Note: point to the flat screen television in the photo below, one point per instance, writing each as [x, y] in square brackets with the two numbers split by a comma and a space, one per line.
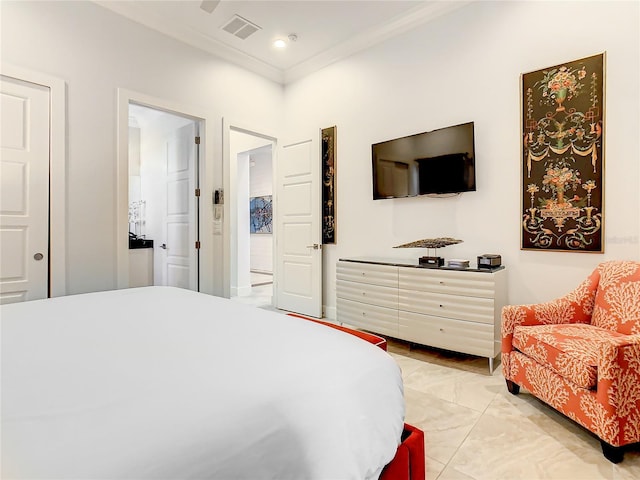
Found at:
[436, 162]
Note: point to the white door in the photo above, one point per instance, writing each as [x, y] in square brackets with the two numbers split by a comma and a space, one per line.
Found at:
[180, 225]
[298, 229]
[24, 190]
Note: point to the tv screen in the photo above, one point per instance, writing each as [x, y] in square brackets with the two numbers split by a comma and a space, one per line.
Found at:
[437, 162]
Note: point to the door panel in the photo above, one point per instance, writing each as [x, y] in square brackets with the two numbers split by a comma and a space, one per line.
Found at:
[24, 190]
[178, 276]
[178, 238]
[297, 199]
[298, 222]
[298, 278]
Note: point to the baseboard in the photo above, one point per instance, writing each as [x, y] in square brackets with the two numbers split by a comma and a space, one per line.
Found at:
[243, 291]
[330, 313]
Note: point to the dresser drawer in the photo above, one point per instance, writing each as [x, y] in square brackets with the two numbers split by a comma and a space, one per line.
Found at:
[470, 284]
[473, 309]
[456, 335]
[383, 275]
[366, 293]
[368, 317]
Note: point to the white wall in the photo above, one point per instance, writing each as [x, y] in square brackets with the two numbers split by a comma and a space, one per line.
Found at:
[243, 242]
[96, 52]
[461, 67]
[241, 145]
[466, 67]
[261, 184]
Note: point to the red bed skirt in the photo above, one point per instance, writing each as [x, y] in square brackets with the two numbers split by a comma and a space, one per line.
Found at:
[369, 337]
[408, 464]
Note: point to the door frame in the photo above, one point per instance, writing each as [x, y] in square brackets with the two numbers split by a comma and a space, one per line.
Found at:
[230, 189]
[57, 171]
[124, 97]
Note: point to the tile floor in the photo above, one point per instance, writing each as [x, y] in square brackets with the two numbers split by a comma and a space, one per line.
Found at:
[476, 430]
[261, 292]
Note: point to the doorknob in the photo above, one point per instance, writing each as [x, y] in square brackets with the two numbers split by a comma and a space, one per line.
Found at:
[38, 256]
[163, 246]
[315, 246]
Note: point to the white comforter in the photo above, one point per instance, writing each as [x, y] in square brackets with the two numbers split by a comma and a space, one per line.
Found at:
[165, 383]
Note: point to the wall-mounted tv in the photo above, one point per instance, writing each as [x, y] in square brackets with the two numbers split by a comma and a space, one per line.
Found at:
[436, 162]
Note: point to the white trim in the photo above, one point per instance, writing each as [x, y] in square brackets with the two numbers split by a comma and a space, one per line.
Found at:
[419, 15]
[330, 313]
[396, 25]
[57, 171]
[124, 97]
[229, 190]
[190, 36]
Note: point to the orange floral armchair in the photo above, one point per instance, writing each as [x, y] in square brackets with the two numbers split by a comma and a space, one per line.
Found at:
[581, 354]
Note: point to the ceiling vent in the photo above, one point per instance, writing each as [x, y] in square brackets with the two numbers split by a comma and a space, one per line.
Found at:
[240, 27]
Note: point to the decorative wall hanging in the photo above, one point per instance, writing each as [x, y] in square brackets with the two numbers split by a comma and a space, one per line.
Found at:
[329, 185]
[261, 214]
[562, 155]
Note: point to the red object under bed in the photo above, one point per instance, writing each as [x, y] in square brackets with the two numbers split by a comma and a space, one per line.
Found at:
[408, 463]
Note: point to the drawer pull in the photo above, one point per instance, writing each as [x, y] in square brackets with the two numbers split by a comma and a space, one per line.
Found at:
[442, 329]
[441, 306]
[441, 282]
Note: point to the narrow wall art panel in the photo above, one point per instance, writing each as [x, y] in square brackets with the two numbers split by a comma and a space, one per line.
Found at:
[261, 214]
[329, 185]
[562, 157]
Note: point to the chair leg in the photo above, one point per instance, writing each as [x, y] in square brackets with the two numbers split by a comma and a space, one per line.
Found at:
[611, 453]
[513, 388]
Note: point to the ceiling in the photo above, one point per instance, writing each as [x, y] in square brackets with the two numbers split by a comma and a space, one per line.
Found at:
[326, 30]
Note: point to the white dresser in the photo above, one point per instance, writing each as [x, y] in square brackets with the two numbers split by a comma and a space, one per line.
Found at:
[452, 309]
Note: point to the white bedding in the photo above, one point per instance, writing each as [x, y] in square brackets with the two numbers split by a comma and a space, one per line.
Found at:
[159, 382]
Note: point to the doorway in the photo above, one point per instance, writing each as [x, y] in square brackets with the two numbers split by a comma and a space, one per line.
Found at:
[163, 198]
[251, 212]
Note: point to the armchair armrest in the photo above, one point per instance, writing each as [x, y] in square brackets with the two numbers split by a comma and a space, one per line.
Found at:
[618, 387]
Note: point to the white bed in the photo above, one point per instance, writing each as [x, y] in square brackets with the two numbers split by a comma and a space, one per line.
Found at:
[159, 382]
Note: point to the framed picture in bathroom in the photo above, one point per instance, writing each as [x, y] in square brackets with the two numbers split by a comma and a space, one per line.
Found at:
[261, 214]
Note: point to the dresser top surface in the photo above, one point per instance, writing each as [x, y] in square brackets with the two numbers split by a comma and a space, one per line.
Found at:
[413, 263]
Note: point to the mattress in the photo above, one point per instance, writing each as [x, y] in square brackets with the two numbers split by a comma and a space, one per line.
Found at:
[159, 382]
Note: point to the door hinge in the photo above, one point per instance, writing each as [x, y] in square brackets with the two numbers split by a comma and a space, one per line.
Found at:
[197, 140]
[197, 192]
[198, 245]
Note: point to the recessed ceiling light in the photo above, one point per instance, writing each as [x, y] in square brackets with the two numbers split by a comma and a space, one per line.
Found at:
[279, 43]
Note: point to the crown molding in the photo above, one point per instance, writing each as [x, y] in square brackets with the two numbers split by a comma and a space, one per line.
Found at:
[194, 39]
[397, 25]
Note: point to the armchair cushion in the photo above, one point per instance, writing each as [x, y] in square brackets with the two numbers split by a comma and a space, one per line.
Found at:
[571, 351]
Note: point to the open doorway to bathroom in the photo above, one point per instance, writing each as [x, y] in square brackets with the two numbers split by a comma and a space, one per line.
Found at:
[163, 198]
[251, 205]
